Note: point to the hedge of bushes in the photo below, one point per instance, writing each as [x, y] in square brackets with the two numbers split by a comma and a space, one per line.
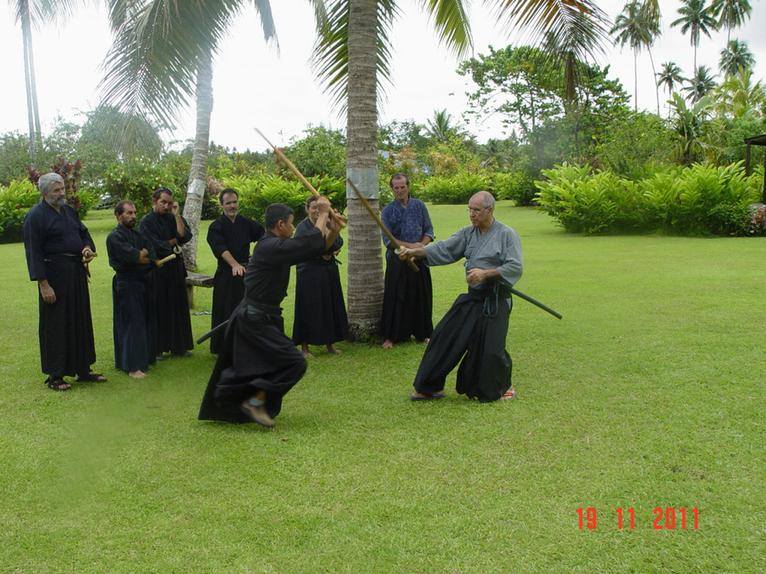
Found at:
[698, 200]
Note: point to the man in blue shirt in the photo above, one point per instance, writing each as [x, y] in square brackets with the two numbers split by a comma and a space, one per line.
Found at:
[408, 296]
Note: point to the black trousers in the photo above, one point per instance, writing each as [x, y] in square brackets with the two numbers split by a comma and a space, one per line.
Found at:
[469, 332]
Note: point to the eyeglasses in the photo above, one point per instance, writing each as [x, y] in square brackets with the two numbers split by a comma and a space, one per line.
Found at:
[476, 210]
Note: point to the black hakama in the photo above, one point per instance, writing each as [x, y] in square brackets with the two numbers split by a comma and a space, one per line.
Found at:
[407, 301]
[168, 285]
[228, 290]
[320, 311]
[469, 328]
[67, 346]
[256, 354]
[134, 324]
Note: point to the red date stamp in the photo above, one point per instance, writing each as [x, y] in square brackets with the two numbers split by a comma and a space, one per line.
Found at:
[664, 518]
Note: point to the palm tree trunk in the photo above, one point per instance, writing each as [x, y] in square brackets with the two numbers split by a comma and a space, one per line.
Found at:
[656, 85]
[33, 113]
[635, 80]
[195, 192]
[365, 265]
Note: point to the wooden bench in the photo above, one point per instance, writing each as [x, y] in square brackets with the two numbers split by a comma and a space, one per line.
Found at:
[196, 280]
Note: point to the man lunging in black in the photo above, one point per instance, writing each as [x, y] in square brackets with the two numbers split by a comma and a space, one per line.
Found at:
[258, 364]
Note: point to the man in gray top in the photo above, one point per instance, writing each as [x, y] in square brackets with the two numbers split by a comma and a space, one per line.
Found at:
[477, 323]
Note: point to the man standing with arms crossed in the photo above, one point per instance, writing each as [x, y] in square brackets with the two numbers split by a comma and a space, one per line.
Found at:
[134, 322]
[477, 323]
[58, 248]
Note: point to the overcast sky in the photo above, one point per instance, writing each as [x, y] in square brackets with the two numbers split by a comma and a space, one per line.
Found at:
[254, 86]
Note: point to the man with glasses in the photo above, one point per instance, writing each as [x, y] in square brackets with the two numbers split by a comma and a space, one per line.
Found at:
[408, 296]
[475, 327]
[166, 230]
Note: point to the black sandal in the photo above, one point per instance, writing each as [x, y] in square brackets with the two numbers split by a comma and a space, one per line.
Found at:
[57, 384]
[91, 378]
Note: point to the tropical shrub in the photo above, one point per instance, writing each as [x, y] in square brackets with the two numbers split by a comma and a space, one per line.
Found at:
[136, 180]
[699, 200]
[515, 185]
[454, 189]
[15, 201]
[257, 192]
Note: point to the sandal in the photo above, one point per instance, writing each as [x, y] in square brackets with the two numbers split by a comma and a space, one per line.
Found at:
[57, 384]
[91, 378]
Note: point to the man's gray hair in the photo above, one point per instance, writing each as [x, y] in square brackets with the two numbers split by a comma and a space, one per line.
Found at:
[46, 181]
[489, 200]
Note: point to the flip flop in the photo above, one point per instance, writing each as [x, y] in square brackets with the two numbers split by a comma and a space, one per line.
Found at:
[427, 396]
[91, 378]
[508, 395]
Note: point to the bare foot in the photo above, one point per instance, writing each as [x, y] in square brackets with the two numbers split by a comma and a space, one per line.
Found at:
[388, 344]
[305, 351]
[331, 349]
[137, 374]
[426, 340]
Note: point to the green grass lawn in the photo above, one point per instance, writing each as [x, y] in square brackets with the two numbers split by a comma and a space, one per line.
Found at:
[649, 394]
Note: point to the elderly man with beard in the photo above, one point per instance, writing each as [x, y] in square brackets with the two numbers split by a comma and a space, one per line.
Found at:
[229, 237]
[58, 248]
[134, 323]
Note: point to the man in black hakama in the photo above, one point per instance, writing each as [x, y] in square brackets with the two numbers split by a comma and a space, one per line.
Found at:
[134, 323]
[476, 326]
[166, 230]
[258, 364]
[407, 295]
[229, 237]
[58, 246]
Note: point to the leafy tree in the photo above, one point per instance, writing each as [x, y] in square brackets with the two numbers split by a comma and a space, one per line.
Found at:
[731, 14]
[736, 55]
[320, 152]
[696, 18]
[399, 134]
[632, 142]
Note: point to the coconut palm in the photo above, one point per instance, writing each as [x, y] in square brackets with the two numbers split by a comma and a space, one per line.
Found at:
[352, 56]
[731, 14]
[29, 13]
[162, 56]
[736, 55]
[701, 84]
[638, 25]
[696, 18]
[669, 76]
[441, 128]
[737, 95]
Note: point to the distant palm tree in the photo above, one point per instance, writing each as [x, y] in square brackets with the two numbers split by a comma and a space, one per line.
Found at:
[734, 56]
[669, 76]
[696, 19]
[738, 95]
[638, 25]
[441, 128]
[701, 84]
[31, 13]
[731, 14]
